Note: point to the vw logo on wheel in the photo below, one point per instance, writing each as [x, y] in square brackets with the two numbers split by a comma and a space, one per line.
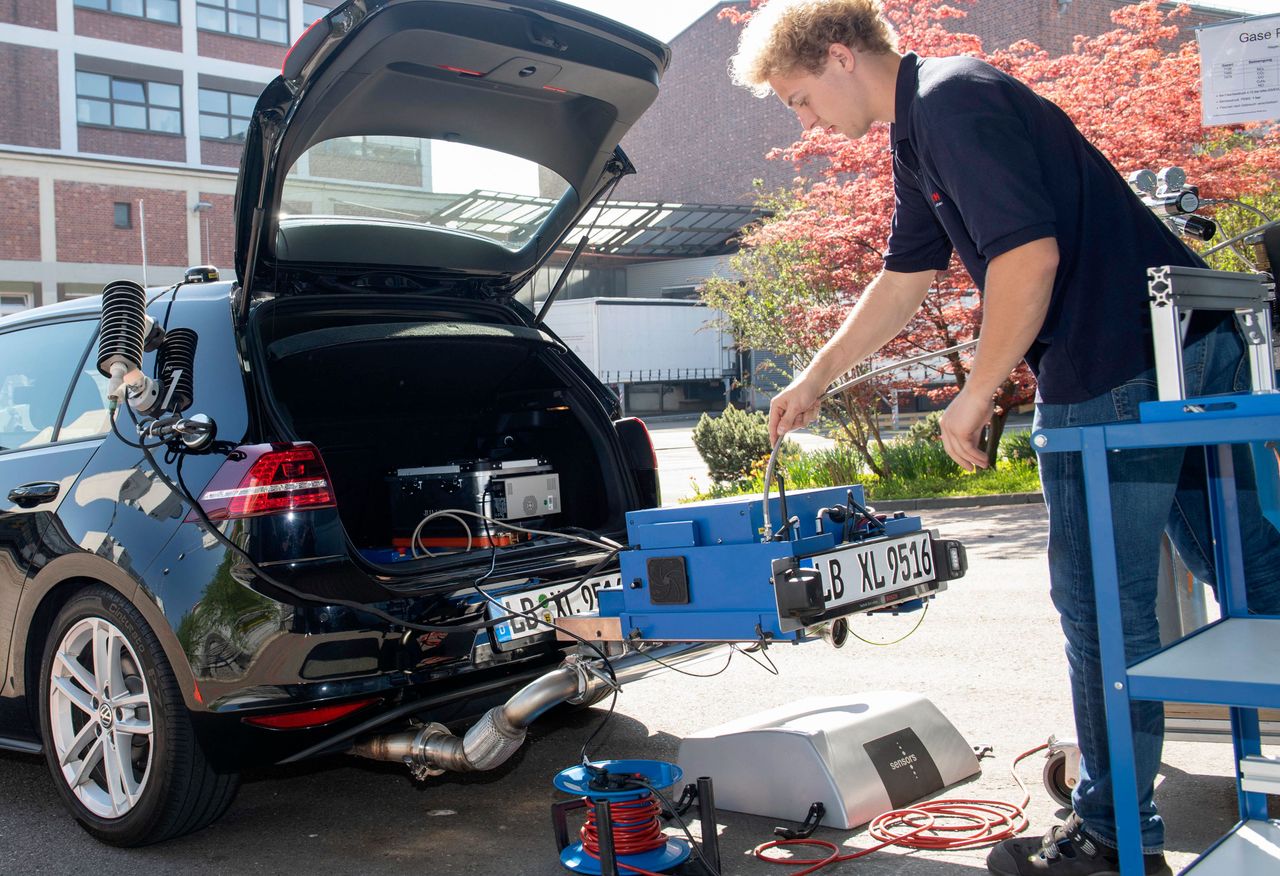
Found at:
[104, 716]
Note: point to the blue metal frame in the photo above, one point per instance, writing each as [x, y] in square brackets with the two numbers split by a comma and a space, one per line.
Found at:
[1215, 423]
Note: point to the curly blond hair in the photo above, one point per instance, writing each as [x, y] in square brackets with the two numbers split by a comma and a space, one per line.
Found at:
[788, 35]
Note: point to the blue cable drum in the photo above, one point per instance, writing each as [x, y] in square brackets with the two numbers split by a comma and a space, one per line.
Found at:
[576, 780]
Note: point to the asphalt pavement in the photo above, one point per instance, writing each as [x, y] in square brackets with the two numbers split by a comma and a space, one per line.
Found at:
[987, 653]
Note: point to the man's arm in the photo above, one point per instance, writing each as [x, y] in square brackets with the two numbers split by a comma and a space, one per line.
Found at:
[1015, 301]
[883, 309]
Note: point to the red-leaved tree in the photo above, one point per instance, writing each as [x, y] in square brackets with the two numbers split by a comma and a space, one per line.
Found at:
[1133, 91]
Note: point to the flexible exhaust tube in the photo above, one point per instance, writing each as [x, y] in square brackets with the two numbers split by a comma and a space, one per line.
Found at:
[490, 742]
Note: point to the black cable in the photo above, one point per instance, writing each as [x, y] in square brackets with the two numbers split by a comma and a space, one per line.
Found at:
[697, 848]
[181, 490]
[530, 615]
[772, 668]
[169, 308]
[613, 702]
[677, 669]
[116, 429]
[213, 530]
[901, 638]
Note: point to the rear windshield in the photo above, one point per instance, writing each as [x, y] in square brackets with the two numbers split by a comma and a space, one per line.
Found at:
[432, 183]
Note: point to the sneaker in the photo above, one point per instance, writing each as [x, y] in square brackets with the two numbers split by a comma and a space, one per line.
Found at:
[1066, 850]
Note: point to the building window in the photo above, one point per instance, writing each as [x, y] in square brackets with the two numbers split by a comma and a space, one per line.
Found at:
[156, 10]
[123, 215]
[313, 12]
[224, 115]
[114, 102]
[266, 20]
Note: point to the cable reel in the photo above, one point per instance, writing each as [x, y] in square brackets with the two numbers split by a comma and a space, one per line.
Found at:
[623, 828]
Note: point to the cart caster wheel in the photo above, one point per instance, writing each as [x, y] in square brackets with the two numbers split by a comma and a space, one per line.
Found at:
[1062, 770]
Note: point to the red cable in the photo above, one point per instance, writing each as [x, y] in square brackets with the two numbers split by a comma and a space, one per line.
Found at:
[965, 824]
[636, 830]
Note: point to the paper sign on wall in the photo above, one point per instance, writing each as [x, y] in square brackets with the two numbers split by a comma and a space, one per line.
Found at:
[1240, 70]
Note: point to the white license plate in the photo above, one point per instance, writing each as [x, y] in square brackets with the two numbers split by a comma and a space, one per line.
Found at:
[564, 599]
[861, 572]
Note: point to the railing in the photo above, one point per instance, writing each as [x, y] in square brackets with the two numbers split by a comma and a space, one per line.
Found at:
[663, 375]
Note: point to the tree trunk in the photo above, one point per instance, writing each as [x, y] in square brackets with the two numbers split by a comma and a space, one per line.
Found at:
[994, 431]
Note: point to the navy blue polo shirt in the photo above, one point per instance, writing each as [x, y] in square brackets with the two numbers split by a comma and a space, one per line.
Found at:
[983, 164]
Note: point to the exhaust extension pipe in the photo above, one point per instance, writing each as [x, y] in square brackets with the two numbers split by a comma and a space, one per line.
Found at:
[432, 749]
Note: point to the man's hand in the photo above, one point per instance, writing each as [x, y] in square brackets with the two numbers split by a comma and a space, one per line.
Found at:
[1018, 290]
[793, 408]
[962, 424]
[882, 310]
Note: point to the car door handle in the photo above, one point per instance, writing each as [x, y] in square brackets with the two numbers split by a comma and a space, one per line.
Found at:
[31, 495]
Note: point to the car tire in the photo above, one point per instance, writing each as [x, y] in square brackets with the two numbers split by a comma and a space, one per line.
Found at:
[127, 763]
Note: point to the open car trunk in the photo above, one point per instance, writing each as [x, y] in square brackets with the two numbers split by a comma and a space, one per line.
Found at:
[416, 411]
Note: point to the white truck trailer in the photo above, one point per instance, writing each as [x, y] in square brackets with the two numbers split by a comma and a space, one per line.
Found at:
[661, 355]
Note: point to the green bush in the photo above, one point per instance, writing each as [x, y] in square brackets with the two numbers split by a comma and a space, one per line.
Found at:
[928, 429]
[827, 468]
[732, 443]
[1016, 447]
[909, 460]
[840, 464]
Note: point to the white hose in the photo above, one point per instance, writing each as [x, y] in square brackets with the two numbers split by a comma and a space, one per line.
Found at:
[836, 390]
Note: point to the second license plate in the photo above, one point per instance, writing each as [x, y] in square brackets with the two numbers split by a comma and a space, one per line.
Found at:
[548, 603]
[860, 572]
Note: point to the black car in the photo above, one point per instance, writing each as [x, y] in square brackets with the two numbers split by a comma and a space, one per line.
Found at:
[218, 552]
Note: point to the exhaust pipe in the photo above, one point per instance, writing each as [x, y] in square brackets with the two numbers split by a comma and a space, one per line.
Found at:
[432, 750]
[835, 633]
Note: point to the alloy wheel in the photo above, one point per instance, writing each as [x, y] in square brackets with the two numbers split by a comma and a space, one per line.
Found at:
[100, 716]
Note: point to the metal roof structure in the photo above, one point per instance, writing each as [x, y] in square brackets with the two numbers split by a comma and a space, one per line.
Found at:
[616, 228]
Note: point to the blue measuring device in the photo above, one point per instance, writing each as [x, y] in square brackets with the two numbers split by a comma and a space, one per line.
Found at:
[707, 571]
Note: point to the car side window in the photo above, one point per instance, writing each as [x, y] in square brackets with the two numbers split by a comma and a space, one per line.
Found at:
[36, 366]
[87, 415]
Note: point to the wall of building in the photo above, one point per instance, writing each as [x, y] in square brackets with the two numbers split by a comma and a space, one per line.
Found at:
[29, 100]
[57, 223]
[61, 176]
[653, 279]
[30, 13]
[705, 139]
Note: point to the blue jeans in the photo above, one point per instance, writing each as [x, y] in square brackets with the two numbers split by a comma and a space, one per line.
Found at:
[1151, 491]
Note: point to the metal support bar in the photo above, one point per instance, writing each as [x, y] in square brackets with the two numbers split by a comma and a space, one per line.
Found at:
[707, 818]
[1106, 592]
[1260, 774]
[1177, 291]
[604, 832]
[1246, 739]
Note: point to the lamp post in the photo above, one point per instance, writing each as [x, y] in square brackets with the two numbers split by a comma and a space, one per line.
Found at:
[142, 232]
[201, 208]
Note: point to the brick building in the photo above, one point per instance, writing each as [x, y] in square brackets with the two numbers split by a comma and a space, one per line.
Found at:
[705, 139]
[120, 127]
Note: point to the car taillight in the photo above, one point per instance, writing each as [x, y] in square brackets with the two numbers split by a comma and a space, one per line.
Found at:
[638, 443]
[262, 479]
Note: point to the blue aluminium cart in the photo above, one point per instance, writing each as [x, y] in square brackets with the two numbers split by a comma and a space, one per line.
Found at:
[1234, 661]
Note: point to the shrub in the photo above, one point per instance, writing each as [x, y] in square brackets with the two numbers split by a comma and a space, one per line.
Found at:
[731, 443]
[840, 464]
[1016, 447]
[928, 429]
[905, 459]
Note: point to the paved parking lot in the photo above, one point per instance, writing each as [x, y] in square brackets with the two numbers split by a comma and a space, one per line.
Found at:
[987, 654]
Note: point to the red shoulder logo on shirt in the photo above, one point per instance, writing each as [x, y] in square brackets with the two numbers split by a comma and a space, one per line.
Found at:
[937, 198]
